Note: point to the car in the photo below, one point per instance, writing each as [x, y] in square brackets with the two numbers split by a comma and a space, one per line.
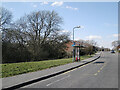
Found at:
[112, 51]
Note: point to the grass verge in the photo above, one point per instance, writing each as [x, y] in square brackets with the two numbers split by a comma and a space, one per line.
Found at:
[12, 69]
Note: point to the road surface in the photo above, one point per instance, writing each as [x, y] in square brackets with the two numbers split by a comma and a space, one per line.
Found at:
[103, 73]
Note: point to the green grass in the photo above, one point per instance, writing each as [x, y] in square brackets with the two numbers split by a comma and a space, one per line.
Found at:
[12, 69]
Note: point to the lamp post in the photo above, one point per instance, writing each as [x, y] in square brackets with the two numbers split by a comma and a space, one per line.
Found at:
[74, 42]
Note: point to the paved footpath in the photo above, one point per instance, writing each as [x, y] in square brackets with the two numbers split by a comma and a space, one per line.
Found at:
[18, 79]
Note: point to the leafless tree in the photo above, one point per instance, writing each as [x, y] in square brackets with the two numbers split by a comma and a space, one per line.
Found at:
[5, 17]
[91, 42]
[34, 37]
[40, 25]
[38, 28]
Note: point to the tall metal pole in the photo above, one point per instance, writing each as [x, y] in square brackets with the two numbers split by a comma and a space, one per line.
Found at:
[73, 35]
[74, 42]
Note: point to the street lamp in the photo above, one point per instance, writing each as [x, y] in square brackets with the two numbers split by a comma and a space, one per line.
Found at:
[73, 40]
[73, 32]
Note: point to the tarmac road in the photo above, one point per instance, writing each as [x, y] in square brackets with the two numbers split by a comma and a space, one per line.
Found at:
[102, 73]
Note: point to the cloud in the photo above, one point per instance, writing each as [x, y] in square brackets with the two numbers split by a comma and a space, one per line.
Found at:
[110, 25]
[44, 3]
[64, 31]
[77, 39]
[11, 9]
[116, 35]
[57, 3]
[34, 5]
[106, 24]
[69, 7]
[106, 43]
[93, 37]
[115, 25]
[71, 36]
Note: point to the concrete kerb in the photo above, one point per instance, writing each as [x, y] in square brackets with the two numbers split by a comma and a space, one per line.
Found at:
[48, 76]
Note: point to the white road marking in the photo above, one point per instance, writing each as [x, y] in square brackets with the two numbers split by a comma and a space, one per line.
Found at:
[95, 74]
[57, 80]
[100, 69]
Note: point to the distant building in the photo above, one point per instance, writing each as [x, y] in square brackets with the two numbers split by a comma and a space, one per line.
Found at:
[69, 48]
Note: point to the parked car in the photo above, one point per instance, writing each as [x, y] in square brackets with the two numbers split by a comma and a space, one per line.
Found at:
[112, 51]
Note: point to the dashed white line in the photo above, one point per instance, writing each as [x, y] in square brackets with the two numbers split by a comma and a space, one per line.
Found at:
[95, 74]
[100, 69]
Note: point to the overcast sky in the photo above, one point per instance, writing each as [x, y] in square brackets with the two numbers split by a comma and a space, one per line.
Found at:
[98, 20]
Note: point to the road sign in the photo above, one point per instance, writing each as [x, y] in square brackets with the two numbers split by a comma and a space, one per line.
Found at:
[73, 44]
